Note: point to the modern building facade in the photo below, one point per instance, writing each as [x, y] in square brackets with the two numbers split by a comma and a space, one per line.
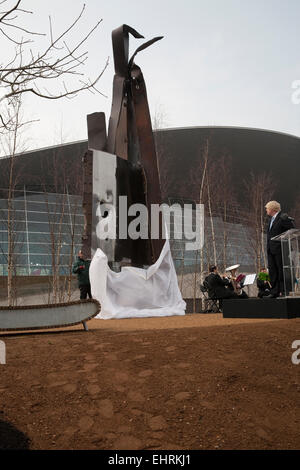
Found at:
[42, 221]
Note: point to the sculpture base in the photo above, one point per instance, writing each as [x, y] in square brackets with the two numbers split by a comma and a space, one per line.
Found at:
[261, 308]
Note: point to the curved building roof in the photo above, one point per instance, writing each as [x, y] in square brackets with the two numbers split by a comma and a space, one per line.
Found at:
[179, 154]
[251, 150]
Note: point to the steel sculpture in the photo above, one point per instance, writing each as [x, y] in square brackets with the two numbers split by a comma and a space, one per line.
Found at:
[130, 143]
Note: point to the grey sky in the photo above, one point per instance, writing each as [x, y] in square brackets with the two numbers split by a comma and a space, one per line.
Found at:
[221, 62]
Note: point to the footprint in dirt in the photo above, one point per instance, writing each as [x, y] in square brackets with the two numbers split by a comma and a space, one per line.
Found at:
[53, 377]
[170, 348]
[101, 346]
[93, 389]
[85, 423]
[121, 376]
[145, 373]
[90, 366]
[183, 365]
[140, 356]
[70, 431]
[120, 389]
[89, 357]
[135, 396]
[69, 389]
[157, 423]
[128, 443]
[106, 408]
[110, 356]
[182, 396]
[58, 384]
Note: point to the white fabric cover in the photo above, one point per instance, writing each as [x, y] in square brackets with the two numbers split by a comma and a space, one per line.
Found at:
[136, 292]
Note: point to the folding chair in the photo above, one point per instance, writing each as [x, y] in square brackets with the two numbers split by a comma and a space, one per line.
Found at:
[213, 305]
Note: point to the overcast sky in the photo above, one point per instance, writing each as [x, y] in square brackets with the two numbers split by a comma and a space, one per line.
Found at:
[221, 62]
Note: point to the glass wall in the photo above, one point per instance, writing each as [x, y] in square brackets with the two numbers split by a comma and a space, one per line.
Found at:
[40, 231]
[225, 243]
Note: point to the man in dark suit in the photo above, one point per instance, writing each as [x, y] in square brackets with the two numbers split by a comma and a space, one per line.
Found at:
[279, 223]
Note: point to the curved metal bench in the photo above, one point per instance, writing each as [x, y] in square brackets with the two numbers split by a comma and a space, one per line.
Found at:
[37, 317]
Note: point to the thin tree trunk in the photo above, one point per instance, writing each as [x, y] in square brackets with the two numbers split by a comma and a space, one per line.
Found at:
[10, 214]
[200, 202]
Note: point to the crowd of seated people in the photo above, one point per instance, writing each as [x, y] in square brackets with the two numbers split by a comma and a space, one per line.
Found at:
[226, 286]
[230, 284]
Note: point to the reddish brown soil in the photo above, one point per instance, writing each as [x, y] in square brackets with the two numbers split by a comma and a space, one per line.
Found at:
[128, 385]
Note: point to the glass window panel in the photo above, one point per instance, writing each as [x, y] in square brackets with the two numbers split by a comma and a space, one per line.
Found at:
[16, 215]
[76, 209]
[65, 260]
[20, 248]
[18, 205]
[38, 260]
[3, 214]
[38, 237]
[36, 248]
[44, 227]
[3, 259]
[17, 226]
[3, 247]
[78, 229]
[77, 219]
[37, 216]
[38, 227]
[19, 259]
[37, 206]
[65, 250]
[35, 197]
[17, 195]
[59, 219]
[3, 235]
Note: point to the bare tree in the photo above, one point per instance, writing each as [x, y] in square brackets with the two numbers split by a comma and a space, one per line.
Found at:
[260, 188]
[12, 143]
[27, 71]
[222, 201]
[160, 118]
[63, 213]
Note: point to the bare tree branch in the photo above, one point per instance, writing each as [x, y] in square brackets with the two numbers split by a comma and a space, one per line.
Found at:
[27, 71]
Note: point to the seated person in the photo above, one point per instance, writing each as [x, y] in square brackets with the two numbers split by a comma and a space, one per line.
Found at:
[263, 283]
[236, 281]
[217, 286]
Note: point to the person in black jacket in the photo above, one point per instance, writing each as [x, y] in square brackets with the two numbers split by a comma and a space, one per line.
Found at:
[218, 287]
[81, 268]
[279, 223]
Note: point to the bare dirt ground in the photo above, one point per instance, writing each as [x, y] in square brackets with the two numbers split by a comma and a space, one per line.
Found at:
[193, 382]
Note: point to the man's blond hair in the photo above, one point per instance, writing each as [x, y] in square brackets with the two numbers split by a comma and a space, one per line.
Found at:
[273, 205]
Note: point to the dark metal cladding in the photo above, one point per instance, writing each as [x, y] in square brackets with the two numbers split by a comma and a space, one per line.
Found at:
[87, 204]
[147, 158]
[96, 125]
[97, 140]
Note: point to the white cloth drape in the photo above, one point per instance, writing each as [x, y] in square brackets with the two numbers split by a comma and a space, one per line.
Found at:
[136, 292]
